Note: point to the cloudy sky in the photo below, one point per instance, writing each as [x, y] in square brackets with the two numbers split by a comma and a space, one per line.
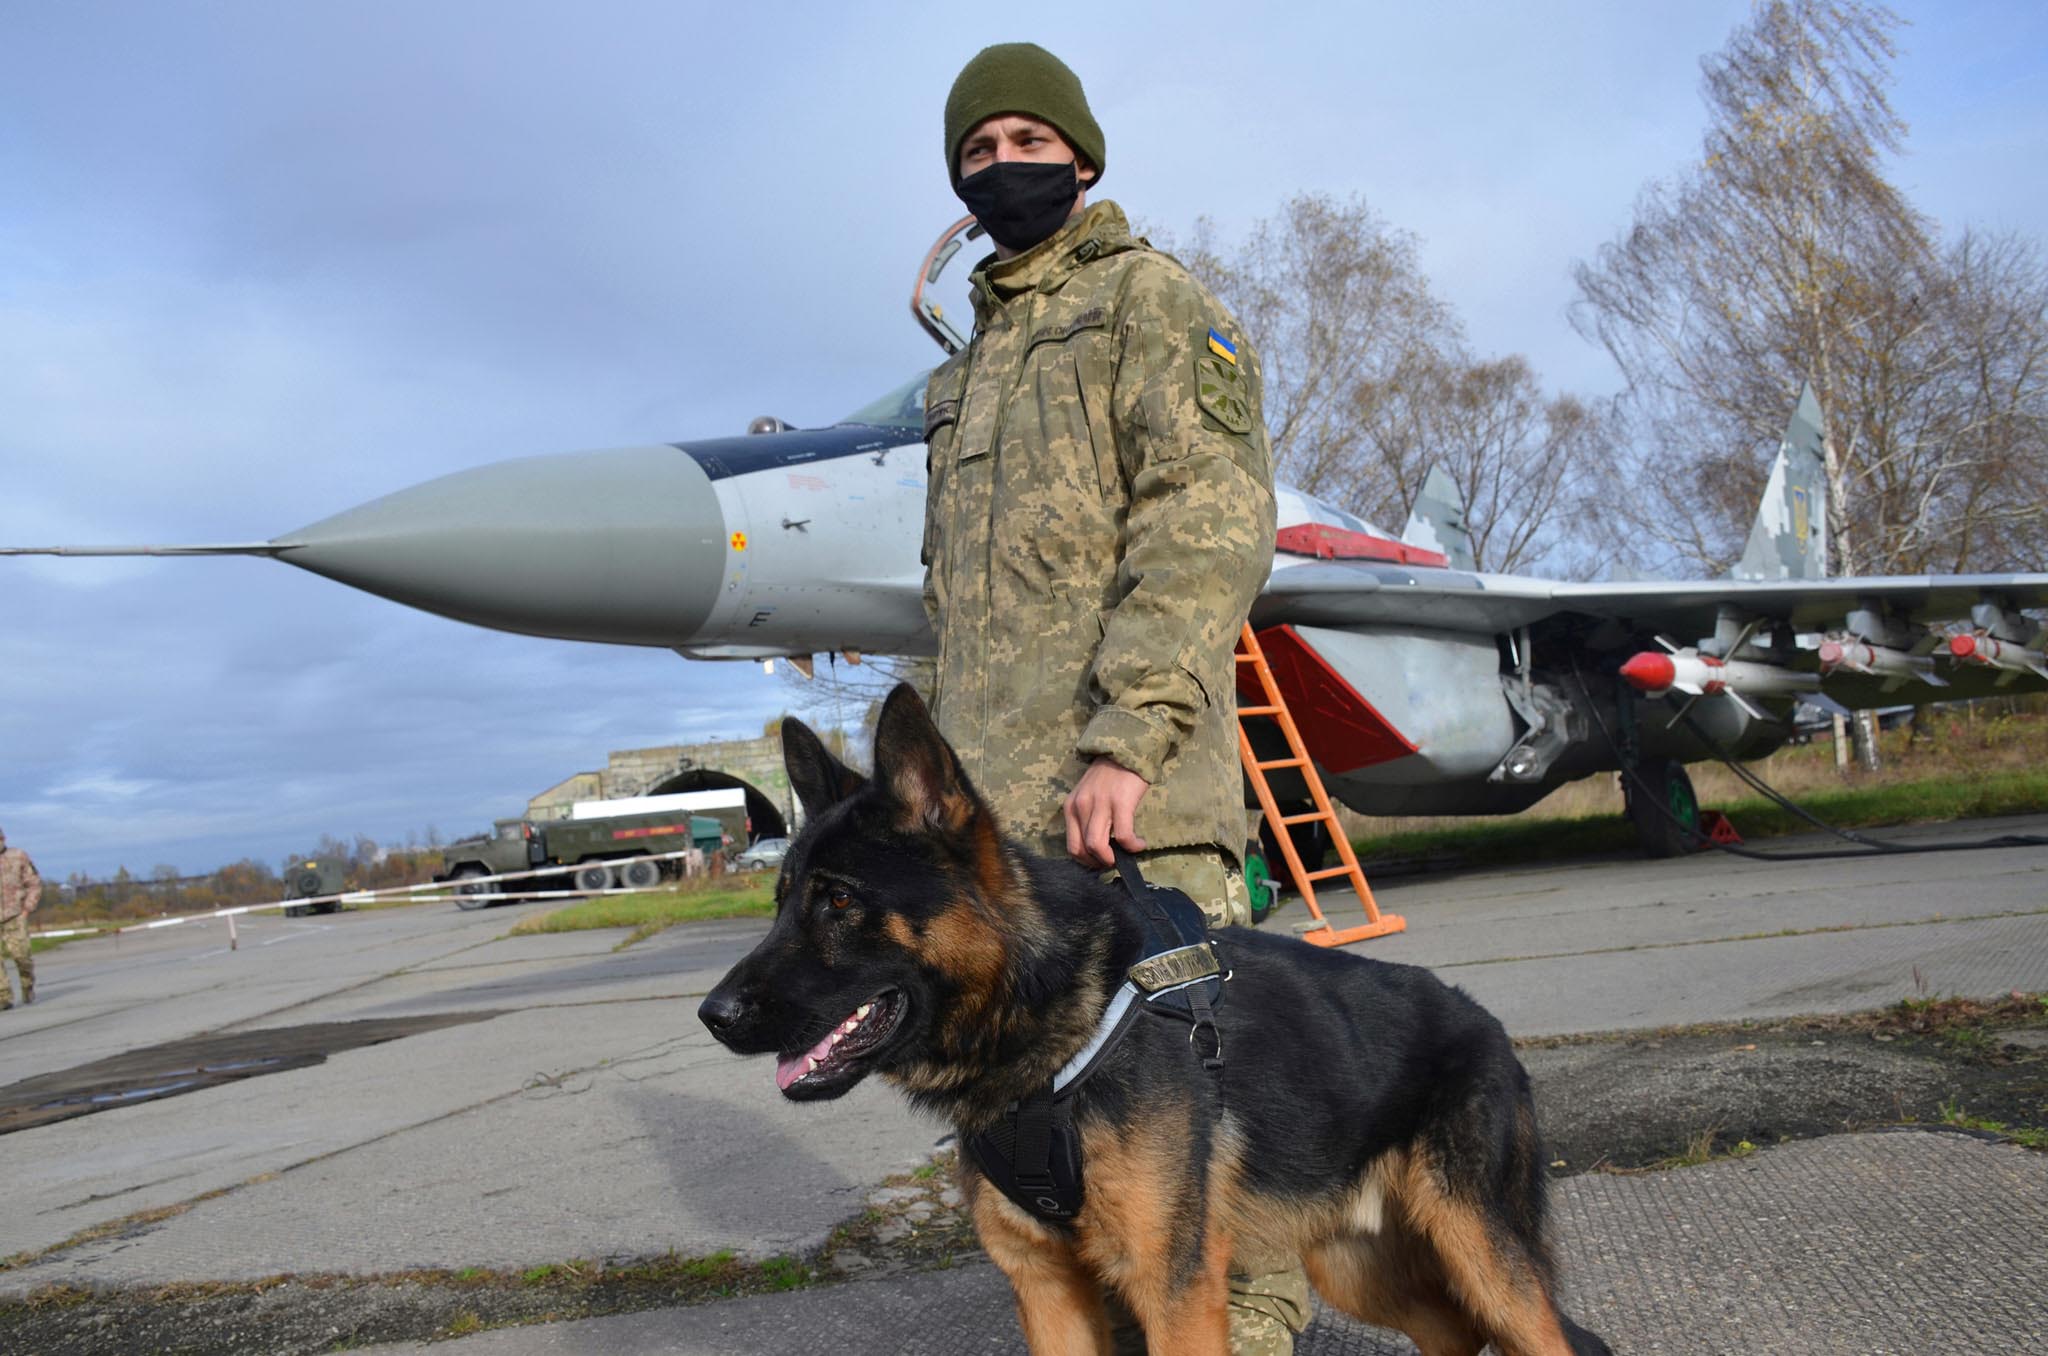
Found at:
[260, 263]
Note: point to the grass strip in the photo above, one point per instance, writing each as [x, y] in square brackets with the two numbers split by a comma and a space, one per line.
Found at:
[37, 945]
[650, 911]
[1930, 800]
[2027, 1137]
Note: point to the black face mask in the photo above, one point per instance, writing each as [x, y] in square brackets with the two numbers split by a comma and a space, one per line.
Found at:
[1021, 202]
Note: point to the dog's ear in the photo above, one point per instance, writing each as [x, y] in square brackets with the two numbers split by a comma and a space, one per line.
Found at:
[918, 767]
[819, 780]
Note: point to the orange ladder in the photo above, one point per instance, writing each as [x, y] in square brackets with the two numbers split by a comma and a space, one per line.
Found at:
[1377, 924]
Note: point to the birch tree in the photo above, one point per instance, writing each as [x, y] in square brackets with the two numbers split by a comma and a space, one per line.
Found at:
[1786, 254]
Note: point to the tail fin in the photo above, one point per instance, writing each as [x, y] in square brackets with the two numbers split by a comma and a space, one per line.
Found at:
[1789, 539]
[1437, 521]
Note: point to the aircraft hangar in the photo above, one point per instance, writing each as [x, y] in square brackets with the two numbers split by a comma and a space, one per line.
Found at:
[753, 765]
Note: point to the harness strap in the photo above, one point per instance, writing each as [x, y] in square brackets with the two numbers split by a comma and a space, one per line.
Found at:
[1034, 1156]
[1031, 1164]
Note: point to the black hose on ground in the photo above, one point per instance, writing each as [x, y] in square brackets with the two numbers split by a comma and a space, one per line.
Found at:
[1867, 847]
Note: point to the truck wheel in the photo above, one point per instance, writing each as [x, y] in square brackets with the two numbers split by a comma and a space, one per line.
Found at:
[593, 876]
[1663, 807]
[641, 874]
[469, 895]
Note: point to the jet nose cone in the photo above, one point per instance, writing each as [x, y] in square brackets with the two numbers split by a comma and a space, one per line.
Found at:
[1650, 672]
[625, 546]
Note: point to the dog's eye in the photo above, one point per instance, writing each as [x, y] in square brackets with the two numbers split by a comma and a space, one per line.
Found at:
[838, 898]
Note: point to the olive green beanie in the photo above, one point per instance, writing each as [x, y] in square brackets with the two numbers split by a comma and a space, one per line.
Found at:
[1021, 77]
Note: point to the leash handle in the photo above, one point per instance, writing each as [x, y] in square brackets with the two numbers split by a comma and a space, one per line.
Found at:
[1127, 867]
[1141, 893]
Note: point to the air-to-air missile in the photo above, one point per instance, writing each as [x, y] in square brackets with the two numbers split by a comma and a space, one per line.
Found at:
[1704, 675]
[1848, 654]
[1990, 652]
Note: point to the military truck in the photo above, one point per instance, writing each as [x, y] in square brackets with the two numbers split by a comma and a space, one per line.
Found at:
[313, 876]
[596, 853]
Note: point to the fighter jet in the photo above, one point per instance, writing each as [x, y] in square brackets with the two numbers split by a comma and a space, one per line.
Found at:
[1422, 685]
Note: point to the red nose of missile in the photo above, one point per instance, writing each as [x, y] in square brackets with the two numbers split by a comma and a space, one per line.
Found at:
[1831, 652]
[1962, 647]
[1650, 672]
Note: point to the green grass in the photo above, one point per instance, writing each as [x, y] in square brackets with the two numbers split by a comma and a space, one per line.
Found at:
[40, 944]
[785, 1273]
[1930, 800]
[652, 910]
[2026, 1136]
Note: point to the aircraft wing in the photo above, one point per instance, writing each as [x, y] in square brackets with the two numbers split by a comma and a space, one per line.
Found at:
[1354, 593]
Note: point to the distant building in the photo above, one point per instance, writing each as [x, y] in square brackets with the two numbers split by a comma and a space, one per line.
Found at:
[755, 765]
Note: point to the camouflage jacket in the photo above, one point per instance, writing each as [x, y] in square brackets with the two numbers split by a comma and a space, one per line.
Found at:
[1099, 519]
[21, 888]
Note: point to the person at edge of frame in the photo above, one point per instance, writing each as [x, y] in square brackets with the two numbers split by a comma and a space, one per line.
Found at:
[1099, 518]
[21, 890]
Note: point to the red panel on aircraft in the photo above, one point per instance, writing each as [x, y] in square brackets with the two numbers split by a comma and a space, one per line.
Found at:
[1341, 728]
[1335, 543]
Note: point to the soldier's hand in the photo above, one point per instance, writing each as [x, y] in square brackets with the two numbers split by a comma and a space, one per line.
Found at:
[1103, 807]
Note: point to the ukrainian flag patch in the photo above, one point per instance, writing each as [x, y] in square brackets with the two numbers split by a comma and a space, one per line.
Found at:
[1222, 348]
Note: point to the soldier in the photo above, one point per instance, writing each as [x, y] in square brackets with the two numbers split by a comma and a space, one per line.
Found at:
[21, 889]
[1099, 519]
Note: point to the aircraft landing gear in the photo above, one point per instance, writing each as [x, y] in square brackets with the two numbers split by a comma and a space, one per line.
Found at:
[1311, 840]
[1663, 807]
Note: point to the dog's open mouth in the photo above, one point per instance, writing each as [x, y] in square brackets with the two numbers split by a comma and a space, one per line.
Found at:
[826, 1065]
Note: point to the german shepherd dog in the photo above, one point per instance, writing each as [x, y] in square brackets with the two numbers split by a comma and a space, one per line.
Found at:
[1367, 1116]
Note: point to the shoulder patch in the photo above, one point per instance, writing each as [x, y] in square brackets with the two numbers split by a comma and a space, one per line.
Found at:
[1222, 348]
[1222, 392]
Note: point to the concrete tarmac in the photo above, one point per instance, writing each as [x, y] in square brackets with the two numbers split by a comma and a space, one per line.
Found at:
[593, 1117]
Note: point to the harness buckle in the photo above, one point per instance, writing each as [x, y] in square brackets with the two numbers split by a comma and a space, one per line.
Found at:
[1213, 1061]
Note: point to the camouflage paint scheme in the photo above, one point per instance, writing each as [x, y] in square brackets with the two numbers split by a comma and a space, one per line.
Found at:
[1099, 518]
[21, 890]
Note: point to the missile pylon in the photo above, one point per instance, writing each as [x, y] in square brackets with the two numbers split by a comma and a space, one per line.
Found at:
[1703, 675]
[1897, 667]
[1992, 653]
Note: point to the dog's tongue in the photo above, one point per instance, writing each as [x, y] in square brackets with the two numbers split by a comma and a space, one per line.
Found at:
[789, 1068]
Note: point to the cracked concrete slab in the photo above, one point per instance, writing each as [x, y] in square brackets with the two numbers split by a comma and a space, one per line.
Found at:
[1909, 1244]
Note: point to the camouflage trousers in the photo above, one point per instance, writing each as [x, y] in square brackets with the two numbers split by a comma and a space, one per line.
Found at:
[1268, 1293]
[14, 946]
[1205, 875]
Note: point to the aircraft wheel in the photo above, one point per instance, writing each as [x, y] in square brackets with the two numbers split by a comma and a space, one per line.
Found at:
[471, 896]
[1311, 840]
[641, 874]
[593, 876]
[1663, 807]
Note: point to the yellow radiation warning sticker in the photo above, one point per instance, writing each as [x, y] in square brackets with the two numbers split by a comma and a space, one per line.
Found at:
[739, 541]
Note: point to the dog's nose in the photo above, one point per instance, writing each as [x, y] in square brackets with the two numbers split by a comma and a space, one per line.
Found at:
[718, 1012]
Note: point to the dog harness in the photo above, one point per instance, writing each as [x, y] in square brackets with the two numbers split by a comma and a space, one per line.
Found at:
[1033, 1155]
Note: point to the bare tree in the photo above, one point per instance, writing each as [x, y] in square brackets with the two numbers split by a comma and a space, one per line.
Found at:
[1521, 460]
[1786, 255]
[1332, 297]
[1369, 382]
